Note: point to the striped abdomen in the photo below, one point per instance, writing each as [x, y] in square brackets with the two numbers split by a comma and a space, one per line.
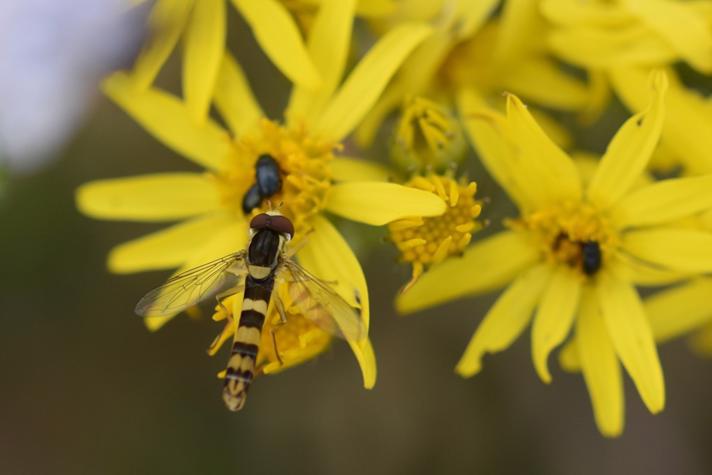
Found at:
[241, 365]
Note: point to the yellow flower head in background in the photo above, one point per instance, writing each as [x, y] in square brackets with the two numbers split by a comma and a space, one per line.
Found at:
[684, 309]
[623, 41]
[305, 147]
[427, 137]
[576, 252]
[470, 51]
[201, 25]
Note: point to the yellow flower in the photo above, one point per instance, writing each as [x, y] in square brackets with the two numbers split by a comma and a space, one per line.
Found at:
[305, 10]
[314, 179]
[283, 345]
[576, 252]
[685, 309]
[685, 139]
[603, 34]
[424, 241]
[201, 25]
[624, 40]
[427, 137]
[468, 51]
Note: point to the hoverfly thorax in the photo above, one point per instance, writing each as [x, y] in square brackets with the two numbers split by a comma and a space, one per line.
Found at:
[269, 232]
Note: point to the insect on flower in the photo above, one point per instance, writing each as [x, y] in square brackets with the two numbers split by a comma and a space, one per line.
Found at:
[268, 181]
[256, 269]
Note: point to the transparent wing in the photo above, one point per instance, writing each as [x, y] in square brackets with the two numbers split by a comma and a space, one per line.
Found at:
[192, 286]
[318, 302]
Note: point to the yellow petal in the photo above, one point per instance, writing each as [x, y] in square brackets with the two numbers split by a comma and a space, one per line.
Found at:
[630, 150]
[366, 361]
[632, 338]
[202, 54]
[328, 45]
[664, 201]
[165, 249]
[603, 48]
[677, 249]
[472, 14]
[234, 98]
[379, 203]
[359, 169]
[413, 79]
[167, 118]
[160, 197]
[545, 163]
[687, 116]
[520, 25]
[505, 320]
[565, 12]
[278, 35]
[544, 82]
[554, 317]
[328, 256]
[569, 359]
[485, 130]
[230, 238]
[600, 367]
[639, 272]
[368, 79]
[167, 21]
[486, 266]
[680, 310]
[376, 8]
[682, 27]
[295, 357]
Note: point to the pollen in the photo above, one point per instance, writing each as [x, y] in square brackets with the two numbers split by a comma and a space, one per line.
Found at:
[574, 234]
[427, 137]
[426, 241]
[304, 164]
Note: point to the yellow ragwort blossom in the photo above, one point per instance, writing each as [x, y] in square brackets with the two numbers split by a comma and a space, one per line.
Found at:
[468, 50]
[685, 309]
[427, 137]
[424, 241]
[623, 40]
[201, 26]
[306, 147]
[577, 251]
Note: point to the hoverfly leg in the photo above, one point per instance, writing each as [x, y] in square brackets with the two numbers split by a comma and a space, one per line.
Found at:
[273, 332]
[280, 309]
[219, 298]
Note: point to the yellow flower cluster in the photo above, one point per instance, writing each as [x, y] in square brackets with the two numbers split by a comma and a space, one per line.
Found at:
[437, 80]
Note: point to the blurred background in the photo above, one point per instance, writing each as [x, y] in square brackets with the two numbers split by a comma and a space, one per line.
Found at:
[87, 389]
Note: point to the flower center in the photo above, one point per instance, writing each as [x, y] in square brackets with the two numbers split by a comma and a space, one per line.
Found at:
[278, 166]
[427, 136]
[575, 234]
[425, 241]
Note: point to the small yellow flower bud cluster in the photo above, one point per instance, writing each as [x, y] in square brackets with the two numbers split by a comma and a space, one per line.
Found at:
[427, 137]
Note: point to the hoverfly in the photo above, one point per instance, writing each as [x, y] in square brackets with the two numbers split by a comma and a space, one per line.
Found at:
[256, 269]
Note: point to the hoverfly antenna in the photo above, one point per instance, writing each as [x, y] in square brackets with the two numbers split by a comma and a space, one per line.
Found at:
[269, 205]
[279, 206]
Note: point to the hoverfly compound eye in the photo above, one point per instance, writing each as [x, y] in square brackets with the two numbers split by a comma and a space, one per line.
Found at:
[282, 225]
[260, 221]
[275, 222]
